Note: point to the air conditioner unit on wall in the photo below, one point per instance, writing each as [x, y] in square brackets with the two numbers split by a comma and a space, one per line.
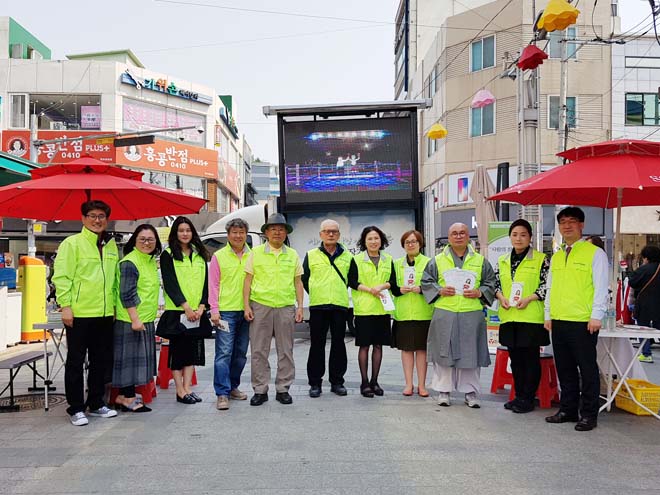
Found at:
[58, 126]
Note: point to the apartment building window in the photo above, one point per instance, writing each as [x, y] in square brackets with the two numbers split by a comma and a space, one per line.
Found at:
[483, 53]
[554, 45]
[553, 112]
[482, 121]
[642, 109]
[433, 81]
[431, 147]
[18, 111]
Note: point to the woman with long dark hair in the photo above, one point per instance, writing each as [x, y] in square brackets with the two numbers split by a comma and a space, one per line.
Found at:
[136, 308]
[645, 282]
[185, 284]
[370, 273]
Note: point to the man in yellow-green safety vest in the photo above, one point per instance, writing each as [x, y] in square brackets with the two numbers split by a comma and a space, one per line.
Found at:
[458, 282]
[325, 278]
[575, 304]
[86, 287]
[272, 287]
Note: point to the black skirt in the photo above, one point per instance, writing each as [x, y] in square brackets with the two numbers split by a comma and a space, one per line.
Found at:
[372, 330]
[519, 334]
[185, 350]
[410, 335]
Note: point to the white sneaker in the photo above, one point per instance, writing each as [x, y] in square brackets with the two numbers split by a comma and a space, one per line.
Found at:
[443, 399]
[79, 419]
[103, 412]
[472, 401]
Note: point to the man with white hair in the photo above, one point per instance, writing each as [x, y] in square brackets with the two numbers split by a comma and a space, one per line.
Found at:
[325, 277]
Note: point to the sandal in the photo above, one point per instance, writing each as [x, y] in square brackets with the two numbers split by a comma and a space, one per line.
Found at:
[408, 391]
[366, 391]
[422, 394]
[136, 406]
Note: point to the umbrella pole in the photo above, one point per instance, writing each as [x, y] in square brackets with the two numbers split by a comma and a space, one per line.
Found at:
[617, 255]
[31, 241]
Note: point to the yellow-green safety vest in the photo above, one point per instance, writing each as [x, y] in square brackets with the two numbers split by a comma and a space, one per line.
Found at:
[528, 273]
[148, 287]
[364, 303]
[325, 285]
[472, 262]
[411, 306]
[572, 288]
[191, 275]
[273, 281]
[84, 280]
[232, 276]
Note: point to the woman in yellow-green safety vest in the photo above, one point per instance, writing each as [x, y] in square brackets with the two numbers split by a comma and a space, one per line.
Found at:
[136, 308]
[185, 286]
[521, 287]
[412, 314]
[370, 275]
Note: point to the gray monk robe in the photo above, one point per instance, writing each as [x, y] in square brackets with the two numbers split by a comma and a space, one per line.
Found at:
[458, 340]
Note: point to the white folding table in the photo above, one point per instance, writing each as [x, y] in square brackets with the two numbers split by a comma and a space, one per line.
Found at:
[608, 338]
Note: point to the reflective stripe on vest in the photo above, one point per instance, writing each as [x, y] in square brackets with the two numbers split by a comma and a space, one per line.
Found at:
[325, 285]
[232, 276]
[528, 273]
[274, 276]
[364, 303]
[473, 262]
[190, 274]
[148, 286]
[572, 288]
[411, 306]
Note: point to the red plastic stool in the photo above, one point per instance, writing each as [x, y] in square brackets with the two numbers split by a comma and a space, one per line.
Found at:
[147, 391]
[164, 373]
[548, 391]
[501, 376]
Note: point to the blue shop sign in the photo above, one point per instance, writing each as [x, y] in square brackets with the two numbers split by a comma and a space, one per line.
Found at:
[164, 86]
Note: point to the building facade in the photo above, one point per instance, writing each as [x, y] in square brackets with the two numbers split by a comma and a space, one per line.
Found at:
[265, 179]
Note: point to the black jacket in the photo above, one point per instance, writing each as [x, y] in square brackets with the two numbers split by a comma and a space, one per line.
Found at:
[647, 303]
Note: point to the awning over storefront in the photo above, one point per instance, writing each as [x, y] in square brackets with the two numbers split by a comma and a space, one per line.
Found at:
[13, 169]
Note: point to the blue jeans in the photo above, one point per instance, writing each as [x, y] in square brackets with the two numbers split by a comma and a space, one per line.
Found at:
[230, 353]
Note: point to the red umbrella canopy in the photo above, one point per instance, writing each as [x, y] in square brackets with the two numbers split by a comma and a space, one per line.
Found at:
[531, 57]
[616, 147]
[593, 181]
[58, 196]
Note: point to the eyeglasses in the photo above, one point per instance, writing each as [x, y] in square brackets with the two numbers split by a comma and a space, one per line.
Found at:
[146, 240]
[411, 243]
[458, 234]
[96, 217]
[330, 232]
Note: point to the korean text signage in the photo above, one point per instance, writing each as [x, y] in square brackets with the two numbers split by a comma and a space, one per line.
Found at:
[17, 143]
[174, 158]
[164, 86]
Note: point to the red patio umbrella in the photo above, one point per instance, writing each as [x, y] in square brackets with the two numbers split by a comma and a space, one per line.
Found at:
[56, 193]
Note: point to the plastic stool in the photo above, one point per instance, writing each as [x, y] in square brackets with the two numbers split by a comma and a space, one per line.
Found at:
[548, 390]
[147, 391]
[501, 376]
[164, 373]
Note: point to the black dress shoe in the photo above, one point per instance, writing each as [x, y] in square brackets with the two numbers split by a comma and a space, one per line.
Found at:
[562, 417]
[509, 405]
[315, 391]
[186, 399]
[377, 389]
[338, 389]
[586, 424]
[283, 398]
[258, 399]
[522, 407]
[366, 391]
[195, 396]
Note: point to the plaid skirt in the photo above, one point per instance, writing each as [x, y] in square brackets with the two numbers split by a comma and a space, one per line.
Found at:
[135, 355]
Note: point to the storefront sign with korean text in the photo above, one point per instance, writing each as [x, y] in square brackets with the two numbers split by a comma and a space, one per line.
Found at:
[162, 85]
[17, 143]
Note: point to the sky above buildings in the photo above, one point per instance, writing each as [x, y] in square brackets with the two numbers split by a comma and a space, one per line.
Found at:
[289, 52]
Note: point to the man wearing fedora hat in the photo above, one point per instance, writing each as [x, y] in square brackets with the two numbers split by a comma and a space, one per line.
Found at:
[273, 285]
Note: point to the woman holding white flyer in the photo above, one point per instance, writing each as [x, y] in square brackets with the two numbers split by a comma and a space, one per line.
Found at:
[370, 277]
[412, 314]
[184, 322]
[521, 287]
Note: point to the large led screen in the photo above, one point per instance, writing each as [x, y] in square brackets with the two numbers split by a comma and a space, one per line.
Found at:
[346, 161]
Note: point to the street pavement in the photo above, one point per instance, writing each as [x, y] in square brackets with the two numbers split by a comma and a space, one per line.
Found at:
[330, 445]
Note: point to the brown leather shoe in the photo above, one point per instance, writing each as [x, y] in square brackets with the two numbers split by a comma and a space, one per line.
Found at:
[223, 403]
[237, 395]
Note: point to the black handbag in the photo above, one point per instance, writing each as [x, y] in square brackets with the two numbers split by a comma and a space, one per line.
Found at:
[170, 325]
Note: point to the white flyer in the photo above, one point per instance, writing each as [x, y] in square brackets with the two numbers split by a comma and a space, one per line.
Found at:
[409, 276]
[187, 323]
[223, 326]
[386, 299]
[459, 279]
[516, 293]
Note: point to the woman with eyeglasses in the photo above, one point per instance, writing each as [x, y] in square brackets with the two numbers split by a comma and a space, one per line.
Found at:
[134, 329]
[412, 314]
[371, 272]
[184, 322]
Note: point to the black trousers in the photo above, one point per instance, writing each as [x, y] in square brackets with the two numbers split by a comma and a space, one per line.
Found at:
[577, 367]
[319, 322]
[526, 369]
[91, 336]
